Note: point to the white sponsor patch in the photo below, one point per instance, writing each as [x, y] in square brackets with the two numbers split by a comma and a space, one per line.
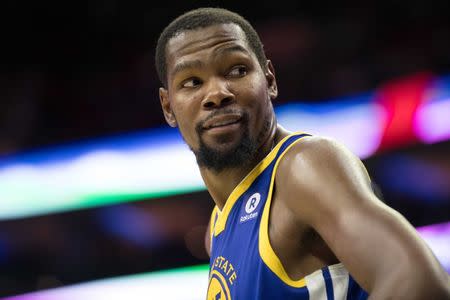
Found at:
[250, 206]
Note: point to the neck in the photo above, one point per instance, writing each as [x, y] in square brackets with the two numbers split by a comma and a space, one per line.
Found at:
[221, 184]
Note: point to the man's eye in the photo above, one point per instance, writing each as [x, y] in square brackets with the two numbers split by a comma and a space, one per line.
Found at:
[192, 82]
[238, 71]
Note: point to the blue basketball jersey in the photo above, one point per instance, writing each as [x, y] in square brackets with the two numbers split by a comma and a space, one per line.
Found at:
[243, 265]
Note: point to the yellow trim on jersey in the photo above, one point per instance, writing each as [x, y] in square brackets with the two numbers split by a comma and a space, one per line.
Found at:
[212, 225]
[245, 184]
[265, 249]
[212, 221]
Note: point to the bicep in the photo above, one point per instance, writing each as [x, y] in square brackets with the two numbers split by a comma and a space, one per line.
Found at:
[372, 240]
[381, 249]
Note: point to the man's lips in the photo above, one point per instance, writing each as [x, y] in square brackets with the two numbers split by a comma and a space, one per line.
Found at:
[221, 121]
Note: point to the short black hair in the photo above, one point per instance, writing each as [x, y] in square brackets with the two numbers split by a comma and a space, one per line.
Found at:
[201, 18]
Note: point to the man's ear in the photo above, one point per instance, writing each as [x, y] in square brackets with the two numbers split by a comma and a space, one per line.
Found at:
[167, 109]
[271, 80]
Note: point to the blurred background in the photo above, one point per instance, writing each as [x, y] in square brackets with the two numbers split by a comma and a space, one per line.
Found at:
[96, 192]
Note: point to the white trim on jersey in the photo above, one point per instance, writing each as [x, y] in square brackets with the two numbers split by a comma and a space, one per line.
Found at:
[317, 288]
[340, 279]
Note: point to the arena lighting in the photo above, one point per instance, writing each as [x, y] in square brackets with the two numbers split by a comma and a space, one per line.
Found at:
[432, 121]
[350, 121]
[156, 163]
[191, 282]
[91, 176]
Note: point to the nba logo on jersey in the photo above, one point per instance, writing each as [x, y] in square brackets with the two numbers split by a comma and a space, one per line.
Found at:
[250, 206]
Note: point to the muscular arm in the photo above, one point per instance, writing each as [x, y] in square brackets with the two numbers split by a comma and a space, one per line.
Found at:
[377, 245]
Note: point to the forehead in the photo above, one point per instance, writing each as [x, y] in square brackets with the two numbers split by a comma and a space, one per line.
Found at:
[191, 42]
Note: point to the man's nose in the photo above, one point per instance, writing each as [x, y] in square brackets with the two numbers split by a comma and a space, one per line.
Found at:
[217, 94]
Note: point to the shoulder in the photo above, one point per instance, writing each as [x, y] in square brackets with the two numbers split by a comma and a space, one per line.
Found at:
[317, 154]
[319, 172]
[320, 147]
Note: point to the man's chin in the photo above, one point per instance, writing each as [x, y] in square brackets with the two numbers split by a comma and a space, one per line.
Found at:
[225, 154]
[224, 147]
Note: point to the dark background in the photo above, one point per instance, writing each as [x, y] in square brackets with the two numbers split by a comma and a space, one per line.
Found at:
[77, 70]
[80, 69]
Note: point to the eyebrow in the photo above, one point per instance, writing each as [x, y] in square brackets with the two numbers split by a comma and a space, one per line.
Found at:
[231, 49]
[193, 64]
[184, 65]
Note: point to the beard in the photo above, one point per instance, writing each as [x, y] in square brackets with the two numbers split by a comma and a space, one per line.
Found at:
[242, 153]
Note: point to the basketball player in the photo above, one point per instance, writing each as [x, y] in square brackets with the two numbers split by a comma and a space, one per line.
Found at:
[295, 215]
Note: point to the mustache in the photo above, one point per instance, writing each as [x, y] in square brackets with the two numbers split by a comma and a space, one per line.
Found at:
[224, 111]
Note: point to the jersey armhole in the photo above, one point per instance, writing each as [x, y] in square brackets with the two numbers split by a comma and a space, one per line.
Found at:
[266, 251]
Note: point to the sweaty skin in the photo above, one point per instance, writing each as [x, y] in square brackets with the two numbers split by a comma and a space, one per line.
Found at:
[323, 209]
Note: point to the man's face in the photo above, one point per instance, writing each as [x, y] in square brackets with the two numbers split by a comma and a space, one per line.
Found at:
[218, 95]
